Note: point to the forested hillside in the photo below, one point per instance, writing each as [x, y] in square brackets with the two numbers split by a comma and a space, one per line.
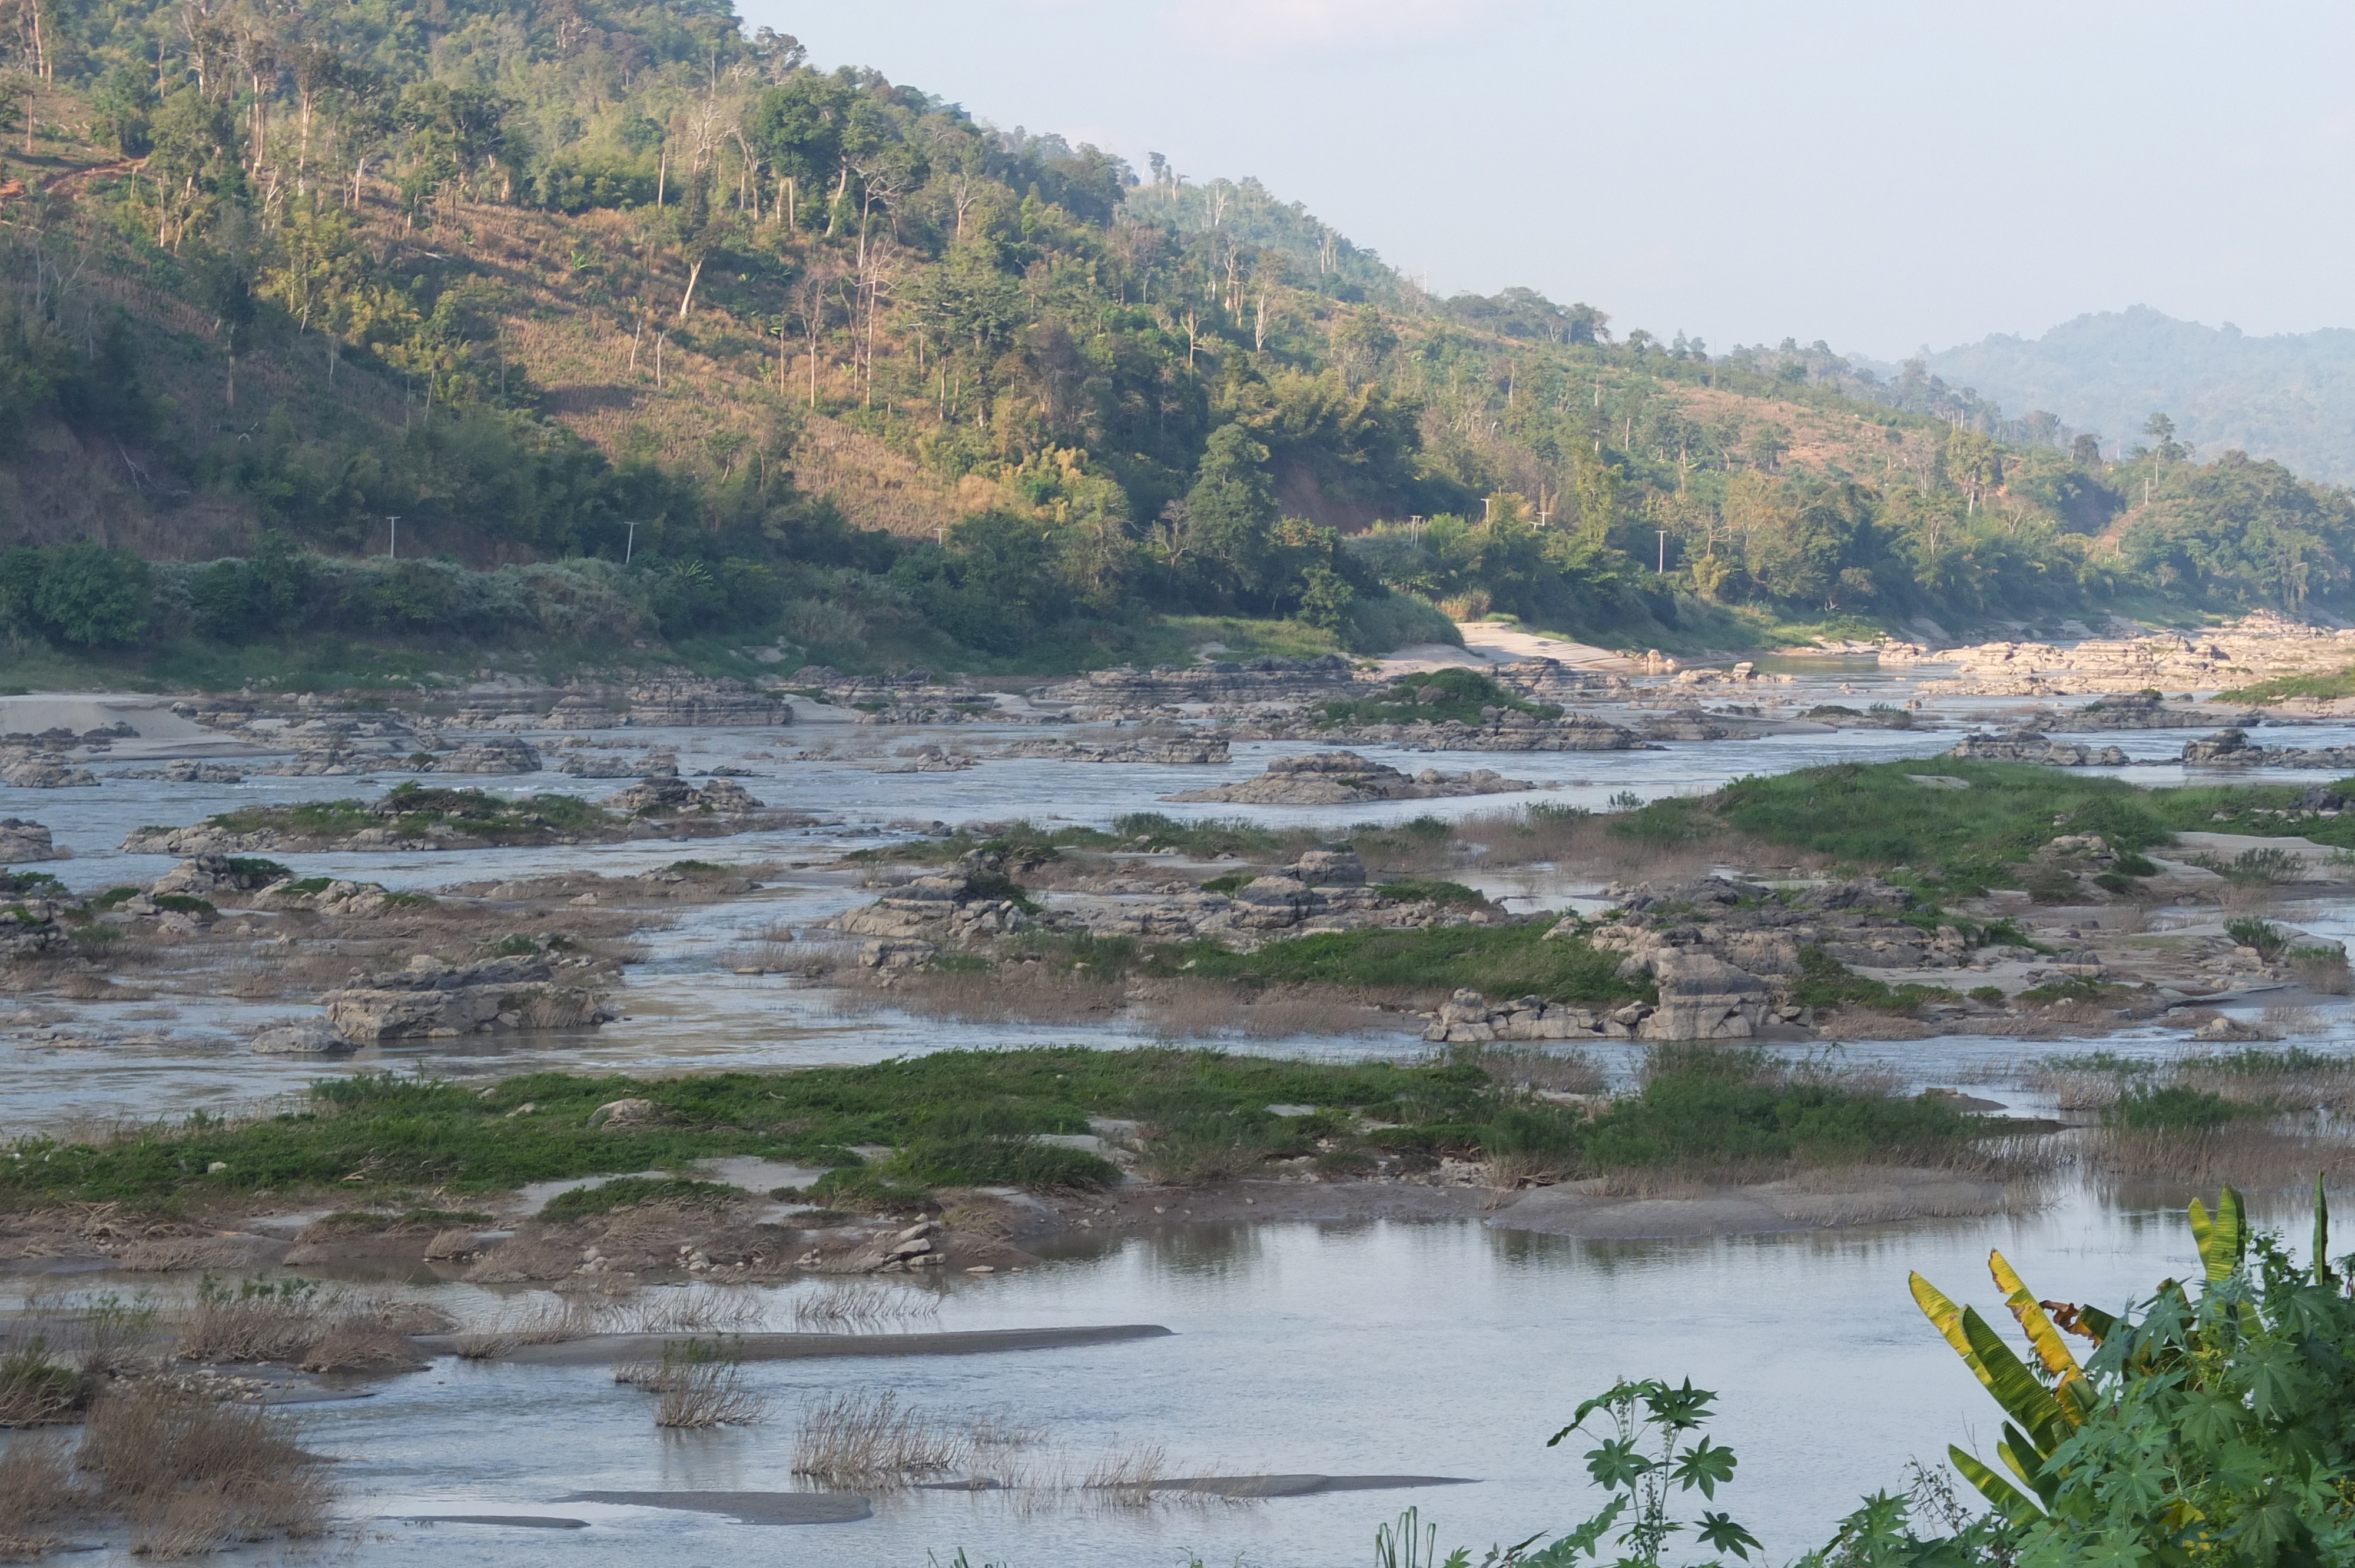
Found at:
[608, 325]
[2290, 397]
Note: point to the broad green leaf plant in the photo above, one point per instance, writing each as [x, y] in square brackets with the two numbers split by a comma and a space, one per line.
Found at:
[2215, 1430]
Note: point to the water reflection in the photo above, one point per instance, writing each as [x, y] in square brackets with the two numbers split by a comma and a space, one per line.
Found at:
[1448, 1348]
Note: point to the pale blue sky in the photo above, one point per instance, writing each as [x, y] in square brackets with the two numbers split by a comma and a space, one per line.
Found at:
[1881, 175]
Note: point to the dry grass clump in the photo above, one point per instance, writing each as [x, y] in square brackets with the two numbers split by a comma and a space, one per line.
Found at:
[1129, 1475]
[838, 1306]
[2322, 970]
[693, 1311]
[36, 1389]
[543, 1321]
[256, 1320]
[36, 1494]
[701, 1384]
[295, 1322]
[2250, 1153]
[192, 1475]
[870, 1441]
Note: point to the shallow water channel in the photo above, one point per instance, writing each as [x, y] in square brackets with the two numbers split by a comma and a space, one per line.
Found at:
[1442, 1348]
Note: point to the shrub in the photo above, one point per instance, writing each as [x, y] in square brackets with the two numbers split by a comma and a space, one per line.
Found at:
[2249, 931]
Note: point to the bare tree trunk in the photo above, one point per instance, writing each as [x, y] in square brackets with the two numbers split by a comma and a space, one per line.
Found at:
[693, 273]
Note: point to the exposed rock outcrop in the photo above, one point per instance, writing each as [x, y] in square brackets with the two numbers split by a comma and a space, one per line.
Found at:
[432, 1000]
[719, 797]
[1180, 752]
[2231, 748]
[43, 770]
[1224, 682]
[1344, 777]
[493, 754]
[29, 929]
[22, 842]
[2029, 747]
[954, 909]
[209, 876]
[704, 705]
[585, 763]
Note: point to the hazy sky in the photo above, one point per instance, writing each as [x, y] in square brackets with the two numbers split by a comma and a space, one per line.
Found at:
[1881, 175]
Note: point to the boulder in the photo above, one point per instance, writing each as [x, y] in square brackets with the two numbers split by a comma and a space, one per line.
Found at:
[656, 797]
[430, 1000]
[23, 842]
[493, 754]
[204, 875]
[696, 705]
[44, 772]
[1344, 777]
[1704, 998]
[29, 929]
[298, 1040]
[620, 1116]
[1331, 868]
[884, 954]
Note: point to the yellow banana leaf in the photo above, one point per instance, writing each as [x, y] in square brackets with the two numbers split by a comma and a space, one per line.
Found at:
[1947, 1318]
[2223, 1237]
[2051, 1348]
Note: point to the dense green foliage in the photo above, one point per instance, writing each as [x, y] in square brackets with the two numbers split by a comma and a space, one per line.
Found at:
[1143, 394]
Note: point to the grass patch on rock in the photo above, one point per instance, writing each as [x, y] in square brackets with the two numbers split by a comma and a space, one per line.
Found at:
[628, 1192]
[1497, 961]
[2281, 688]
[1988, 835]
[967, 1119]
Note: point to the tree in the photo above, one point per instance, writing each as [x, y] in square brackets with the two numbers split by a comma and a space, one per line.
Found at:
[1229, 512]
[91, 596]
[226, 275]
[797, 127]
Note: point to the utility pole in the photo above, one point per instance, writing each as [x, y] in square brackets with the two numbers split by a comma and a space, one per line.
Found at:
[1663, 568]
[630, 545]
[393, 540]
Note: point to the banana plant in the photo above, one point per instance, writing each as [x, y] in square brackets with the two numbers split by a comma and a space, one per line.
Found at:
[2046, 1411]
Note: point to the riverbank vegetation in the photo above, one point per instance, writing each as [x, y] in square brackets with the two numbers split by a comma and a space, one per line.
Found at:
[644, 331]
[974, 1118]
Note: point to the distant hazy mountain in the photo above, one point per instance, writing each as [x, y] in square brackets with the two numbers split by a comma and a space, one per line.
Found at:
[2290, 398]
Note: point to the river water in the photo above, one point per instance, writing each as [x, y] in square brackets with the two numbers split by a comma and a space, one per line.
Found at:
[1450, 1349]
